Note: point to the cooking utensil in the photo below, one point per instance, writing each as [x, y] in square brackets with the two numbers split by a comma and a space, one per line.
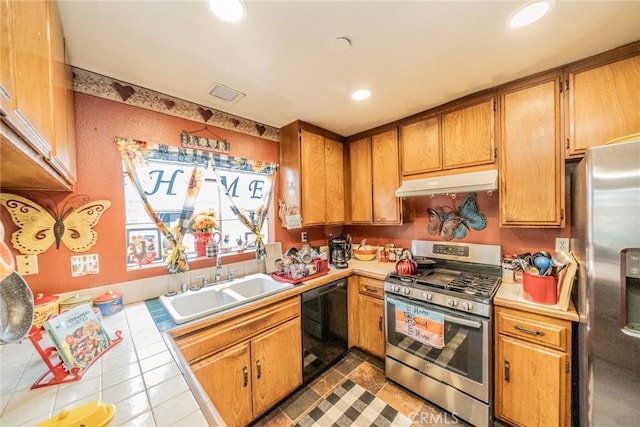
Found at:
[543, 263]
[561, 258]
[16, 308]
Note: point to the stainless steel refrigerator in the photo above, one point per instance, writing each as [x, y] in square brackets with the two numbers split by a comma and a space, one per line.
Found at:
[606, 242]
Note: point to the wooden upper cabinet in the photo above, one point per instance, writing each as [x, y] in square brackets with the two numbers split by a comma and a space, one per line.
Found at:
[36, 99]
[602, 103]
[7, 90]
[375, 177]
[386, 177]
[361, 185]
[468, 135]
[312, 172]
[334, 185]
[63, 155]
[460, 135]
[312, 164]
[420, 146]
[531, 161]
[33, 118]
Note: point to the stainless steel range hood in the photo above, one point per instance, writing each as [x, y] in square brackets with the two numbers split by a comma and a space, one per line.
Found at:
[457, 183]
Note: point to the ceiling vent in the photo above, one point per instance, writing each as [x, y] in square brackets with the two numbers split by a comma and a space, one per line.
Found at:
[226, 94]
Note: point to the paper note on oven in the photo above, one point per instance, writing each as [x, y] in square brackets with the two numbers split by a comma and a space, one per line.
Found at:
[420, 324]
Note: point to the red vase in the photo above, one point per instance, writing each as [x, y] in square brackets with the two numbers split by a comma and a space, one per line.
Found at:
[200, 242]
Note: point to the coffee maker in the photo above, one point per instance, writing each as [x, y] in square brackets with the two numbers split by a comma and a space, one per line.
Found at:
[339, 252]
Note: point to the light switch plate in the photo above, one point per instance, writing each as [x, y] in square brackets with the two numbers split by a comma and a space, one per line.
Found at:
[27, 264]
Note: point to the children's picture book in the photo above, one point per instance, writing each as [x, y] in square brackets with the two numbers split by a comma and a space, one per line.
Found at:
[78, 335]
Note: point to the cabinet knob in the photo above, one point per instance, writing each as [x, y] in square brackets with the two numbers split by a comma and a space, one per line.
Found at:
[259, 369]
[528, 331]
[507, 367]
[245, 372]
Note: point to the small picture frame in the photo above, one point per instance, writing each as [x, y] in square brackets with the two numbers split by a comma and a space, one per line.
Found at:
[250, 239]
[144, 246]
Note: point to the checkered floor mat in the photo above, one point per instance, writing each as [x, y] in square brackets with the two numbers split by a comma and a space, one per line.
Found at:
[351, 405]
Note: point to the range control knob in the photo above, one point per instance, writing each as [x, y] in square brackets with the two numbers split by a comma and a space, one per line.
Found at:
[467, 306]
[427, 296]
[395, 288]
[406, 291]
[452, 302]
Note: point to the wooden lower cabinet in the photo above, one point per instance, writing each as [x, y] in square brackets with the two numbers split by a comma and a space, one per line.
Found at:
[369, 315]
[225, 378]
[533, 369]
[245, 363]
[249, 378]
[371, 325]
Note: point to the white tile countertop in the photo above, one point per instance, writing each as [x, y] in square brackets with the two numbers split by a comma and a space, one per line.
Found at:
[138, 375]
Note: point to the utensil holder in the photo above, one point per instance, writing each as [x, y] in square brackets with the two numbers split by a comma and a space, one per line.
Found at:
[540, 289]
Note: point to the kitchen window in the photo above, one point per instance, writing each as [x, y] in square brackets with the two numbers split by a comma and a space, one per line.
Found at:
[165, 185]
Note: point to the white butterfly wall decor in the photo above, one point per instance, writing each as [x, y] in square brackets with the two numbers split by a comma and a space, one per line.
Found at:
[40, 227]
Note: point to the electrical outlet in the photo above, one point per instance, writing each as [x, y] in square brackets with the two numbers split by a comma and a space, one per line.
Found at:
[27, 264]
[303, 236]
[562, 244]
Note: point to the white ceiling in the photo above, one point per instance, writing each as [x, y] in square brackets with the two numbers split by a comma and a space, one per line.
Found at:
[414, 54]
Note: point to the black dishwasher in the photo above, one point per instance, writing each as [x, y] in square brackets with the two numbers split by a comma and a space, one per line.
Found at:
[324, 327]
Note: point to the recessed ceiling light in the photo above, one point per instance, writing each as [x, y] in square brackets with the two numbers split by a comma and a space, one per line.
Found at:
[361, 94]
[529, 14]
[233, 11]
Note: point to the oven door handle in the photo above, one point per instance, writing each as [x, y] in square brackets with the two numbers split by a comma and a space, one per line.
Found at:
[463, 322]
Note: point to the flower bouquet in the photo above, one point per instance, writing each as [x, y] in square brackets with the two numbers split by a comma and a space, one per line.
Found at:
[201, 226]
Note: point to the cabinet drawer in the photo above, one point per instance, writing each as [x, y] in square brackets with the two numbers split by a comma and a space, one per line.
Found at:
[214, 338]
[371, 287]
[542, 330]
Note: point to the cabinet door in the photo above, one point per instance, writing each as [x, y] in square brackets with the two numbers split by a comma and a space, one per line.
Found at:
[531, 382]
[420, 145]
[276, 357]
[313, 175]
[531, 162]
[334, 170]
[226, 378]
[468, 136]
[33, 118]
[386, 177]
[63, 151]
[371, 325]
[361, 189]
[7, 90]
[603, 104]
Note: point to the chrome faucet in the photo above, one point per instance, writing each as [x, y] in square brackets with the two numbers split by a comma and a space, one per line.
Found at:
[218, 268]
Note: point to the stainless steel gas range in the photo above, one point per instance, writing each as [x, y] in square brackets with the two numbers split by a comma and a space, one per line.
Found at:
[439, 328]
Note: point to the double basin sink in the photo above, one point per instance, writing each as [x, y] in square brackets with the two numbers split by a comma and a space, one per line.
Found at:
[214, 298]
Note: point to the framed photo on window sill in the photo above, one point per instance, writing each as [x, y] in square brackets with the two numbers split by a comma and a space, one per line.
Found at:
[144, 246]
[250, 239]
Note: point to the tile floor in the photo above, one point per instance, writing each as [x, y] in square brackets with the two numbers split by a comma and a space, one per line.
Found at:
[368, 372]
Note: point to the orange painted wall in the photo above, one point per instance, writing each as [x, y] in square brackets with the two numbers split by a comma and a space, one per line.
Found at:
[98, 121]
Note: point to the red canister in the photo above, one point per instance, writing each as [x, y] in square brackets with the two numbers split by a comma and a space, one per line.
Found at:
[43, 307]
[109, 303]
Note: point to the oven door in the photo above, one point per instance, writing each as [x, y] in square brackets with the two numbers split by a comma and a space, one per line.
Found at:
[463, 361]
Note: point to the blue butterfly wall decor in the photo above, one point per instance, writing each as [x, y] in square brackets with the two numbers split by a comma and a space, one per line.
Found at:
[449, 223]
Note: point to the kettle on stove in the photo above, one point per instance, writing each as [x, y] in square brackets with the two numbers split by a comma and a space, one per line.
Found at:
[406, 266]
